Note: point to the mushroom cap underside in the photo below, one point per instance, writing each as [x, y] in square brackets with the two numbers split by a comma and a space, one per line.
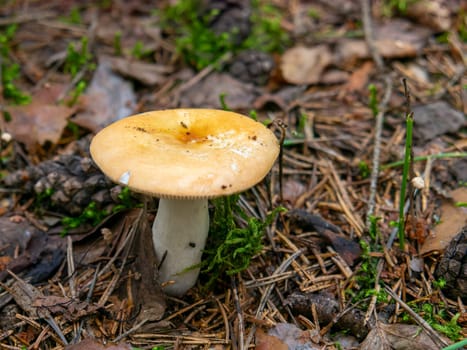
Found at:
[186, 153]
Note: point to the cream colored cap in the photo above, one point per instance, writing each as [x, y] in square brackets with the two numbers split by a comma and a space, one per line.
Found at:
[186, 153]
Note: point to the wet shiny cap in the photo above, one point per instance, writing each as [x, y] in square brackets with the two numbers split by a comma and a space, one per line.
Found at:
[186, 153]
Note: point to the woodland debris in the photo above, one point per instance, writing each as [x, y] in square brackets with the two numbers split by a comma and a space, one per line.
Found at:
[452, 221]
[453, 266]
[328, 311]
[303, 65]
[398, 337]
[28, 250]
[206, 94]
[67, 183]
[107, 99]
[435, 119]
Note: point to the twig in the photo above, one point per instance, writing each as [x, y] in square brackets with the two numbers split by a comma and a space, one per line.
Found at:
[264, 298]
[88, 300]
[131, 330]
[368, 30]
[421, 322]
[377, 149]
[26, 17]
[226, 321]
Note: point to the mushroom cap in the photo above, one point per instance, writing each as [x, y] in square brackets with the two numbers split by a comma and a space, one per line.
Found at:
[186, 153]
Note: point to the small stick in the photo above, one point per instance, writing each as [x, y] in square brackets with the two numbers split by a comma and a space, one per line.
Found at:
[421, 322]
[238, 308]
[264, 298]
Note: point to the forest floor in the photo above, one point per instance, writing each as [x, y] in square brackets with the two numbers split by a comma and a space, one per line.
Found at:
[343, 264]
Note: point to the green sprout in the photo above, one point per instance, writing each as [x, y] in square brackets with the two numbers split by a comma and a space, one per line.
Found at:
[126, 201]
[74, 17]
[224, 106]
[90, 215]
[77, 62]
[78, 59]
[77, 91]
[139, 52]
[365, 276]
[10, 71]
[405, 175]
[118, 43]
[364, 169]
[373, 99]
[391, 7]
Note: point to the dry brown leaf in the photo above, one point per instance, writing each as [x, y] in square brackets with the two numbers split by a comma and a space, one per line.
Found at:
[108, 99]
[37, 123]
[395, 39]
[432, 13]
[397, 337]
[293, 337]
[146, 73]
[303, 65]
[205, 94]
[268, 342]
[359, 78]
[40, 121]
[453, 218]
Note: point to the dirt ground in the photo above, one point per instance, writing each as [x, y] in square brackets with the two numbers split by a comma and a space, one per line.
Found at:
[356, 238]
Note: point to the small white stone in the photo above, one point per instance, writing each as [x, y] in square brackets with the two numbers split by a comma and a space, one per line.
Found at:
[125, 178]
[418, 183]
[6, 137]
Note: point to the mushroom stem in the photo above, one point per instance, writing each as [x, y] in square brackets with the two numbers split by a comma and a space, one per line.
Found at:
[179, 234]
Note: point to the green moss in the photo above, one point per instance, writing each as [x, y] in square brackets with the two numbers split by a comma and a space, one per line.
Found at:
[231, 247]
[199, 46]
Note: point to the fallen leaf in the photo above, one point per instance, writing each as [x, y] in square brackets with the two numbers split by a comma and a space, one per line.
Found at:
[303, 65]
[205, 94]
[39, 254]
[146, 73]
[394, 39]
[398, 337]
[108, 99]
[435, 119]
[268, 342]
[453, 218]
[71, 309]
[432, 13]
[359, 78]
[349, 250]
[37, 123]
[293, 337]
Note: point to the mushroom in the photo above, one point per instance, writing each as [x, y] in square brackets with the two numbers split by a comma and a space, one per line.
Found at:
[184, 157]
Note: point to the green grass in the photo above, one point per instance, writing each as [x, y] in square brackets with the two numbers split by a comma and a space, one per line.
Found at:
[405, 175]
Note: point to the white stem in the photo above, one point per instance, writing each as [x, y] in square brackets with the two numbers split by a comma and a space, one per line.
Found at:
[179, 234]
